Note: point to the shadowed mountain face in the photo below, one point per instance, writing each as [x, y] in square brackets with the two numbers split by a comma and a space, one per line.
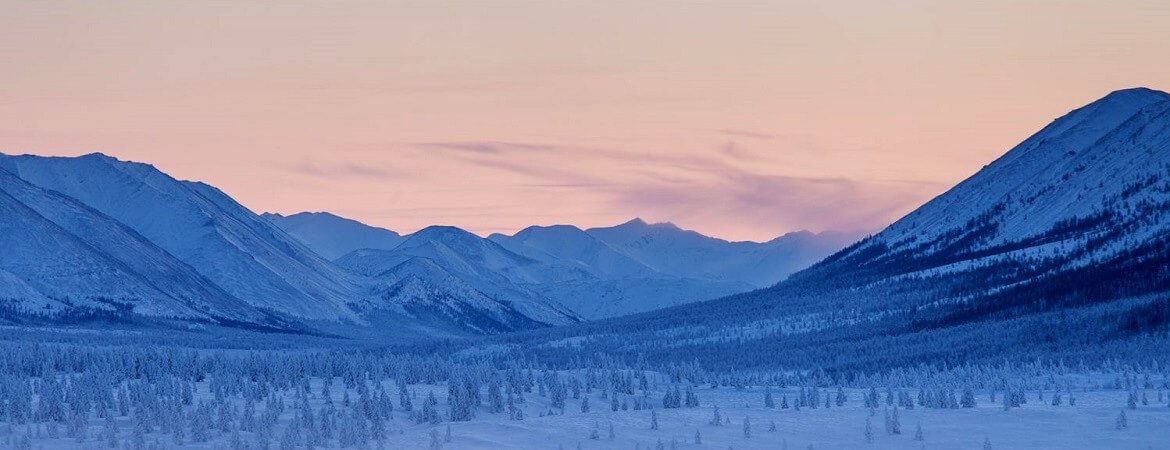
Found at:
[1061, 244]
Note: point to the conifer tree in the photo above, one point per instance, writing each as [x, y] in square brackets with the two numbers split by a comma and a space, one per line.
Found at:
[968, 400]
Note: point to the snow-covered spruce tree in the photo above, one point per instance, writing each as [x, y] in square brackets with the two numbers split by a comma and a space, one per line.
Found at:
[653, 419]
[772, 425]
[841, 398]
[495, 396]
[747, 427]
[110, 431]
[716, 419]
[610, 435]
[868, 430]
[698, 438]
[918, 432]
[404, 402]
[1122, 423]
[692, 399]
[968, 400]
[895, 423]
[986, 443]
[768, 401]
[429, 412]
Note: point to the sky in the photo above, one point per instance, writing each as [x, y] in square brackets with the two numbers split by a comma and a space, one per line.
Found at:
[743, 120]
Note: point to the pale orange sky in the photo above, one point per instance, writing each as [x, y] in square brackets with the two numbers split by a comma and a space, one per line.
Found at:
[739, 119]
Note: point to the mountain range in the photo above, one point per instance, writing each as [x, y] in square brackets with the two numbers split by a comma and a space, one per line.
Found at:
[594, 273]
[96, 238]
[1061, 243]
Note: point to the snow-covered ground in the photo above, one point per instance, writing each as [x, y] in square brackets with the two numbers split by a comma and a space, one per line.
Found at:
[1090, 424]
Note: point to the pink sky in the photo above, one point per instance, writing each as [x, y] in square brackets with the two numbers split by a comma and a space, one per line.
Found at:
[739, 119]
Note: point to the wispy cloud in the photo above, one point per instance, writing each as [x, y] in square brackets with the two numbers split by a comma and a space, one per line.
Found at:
[721, 185]
[483, 147]
[346, 170]
[746, 134]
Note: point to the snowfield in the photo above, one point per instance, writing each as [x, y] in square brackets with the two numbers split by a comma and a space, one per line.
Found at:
[1090, 424]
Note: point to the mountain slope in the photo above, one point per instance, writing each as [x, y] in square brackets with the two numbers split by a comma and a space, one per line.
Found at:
[487, 267]
[433, 295]
[63, 259]
[1078, 213]
[332, 236]
[241, 253]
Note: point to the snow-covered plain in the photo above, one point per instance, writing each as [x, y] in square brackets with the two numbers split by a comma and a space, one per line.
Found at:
[1090, 424]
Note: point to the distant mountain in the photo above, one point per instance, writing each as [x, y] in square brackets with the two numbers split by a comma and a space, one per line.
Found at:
[578, 270]
[572, 246]
[490, 269]
[332, 236]
[669, 249]
[1060, 247]
[594, 279]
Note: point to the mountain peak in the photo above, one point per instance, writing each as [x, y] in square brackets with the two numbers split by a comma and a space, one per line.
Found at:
[638, 223]
[443, 231]
[635, 222]
[1138, 93]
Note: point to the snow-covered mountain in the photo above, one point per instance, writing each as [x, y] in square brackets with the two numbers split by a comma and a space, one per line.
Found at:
[332, 236]
[1078, 213]
[240, 252]
[490, 269]
[602, 272]
[684, 253]
[65, 261]
[587, 275]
